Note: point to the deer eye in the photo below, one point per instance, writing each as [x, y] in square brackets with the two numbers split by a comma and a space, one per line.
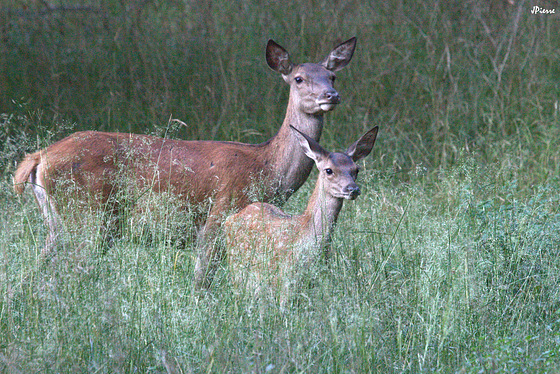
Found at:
[328, 171]
[333, 78]
[298, 80]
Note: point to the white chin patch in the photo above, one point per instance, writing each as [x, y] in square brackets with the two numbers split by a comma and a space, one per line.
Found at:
[327, 107]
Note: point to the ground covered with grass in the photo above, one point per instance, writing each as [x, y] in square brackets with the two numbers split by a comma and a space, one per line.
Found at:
[447, 262]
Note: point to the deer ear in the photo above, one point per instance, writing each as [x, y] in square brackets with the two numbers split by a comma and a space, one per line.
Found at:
[278, 58]
[311, 148]
[363, 146]
[340, 56]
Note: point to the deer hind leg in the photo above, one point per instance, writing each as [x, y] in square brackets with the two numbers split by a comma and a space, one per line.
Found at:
[50, 214]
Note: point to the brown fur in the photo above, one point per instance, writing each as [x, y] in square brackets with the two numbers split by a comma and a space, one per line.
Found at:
[95, 166]
[26, 166]
[267, 247]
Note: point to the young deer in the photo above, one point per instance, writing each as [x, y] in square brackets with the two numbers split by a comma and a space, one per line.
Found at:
[213, 176]
[265, 246]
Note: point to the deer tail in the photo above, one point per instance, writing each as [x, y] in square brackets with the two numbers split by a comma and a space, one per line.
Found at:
[24, 170]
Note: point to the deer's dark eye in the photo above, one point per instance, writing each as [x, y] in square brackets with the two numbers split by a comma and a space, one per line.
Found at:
[298, 80]
[333, 78]
[328, 171]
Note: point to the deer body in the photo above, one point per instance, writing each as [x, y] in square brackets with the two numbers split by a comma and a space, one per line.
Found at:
[265, 246]
[221, 174]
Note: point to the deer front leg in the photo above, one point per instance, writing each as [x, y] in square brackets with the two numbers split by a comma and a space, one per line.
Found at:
[210, 250]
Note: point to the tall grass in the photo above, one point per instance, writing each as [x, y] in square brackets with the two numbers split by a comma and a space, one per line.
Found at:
[448, 262]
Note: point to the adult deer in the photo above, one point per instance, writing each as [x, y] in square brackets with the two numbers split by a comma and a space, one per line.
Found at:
[267, 247]
[220, 174]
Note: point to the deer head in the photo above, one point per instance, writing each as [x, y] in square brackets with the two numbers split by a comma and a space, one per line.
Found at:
[311, 84]
[338, 171]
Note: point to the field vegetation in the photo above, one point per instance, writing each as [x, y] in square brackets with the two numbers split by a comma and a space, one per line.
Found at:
[448, 261]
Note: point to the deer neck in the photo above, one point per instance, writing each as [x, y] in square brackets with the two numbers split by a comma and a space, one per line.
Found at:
[290, 166]
[320, 216]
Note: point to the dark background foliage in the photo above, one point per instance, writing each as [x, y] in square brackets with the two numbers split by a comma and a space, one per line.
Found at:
[435, 75]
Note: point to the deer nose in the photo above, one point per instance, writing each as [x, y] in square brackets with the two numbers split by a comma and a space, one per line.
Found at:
[331, 97]
[353, 191]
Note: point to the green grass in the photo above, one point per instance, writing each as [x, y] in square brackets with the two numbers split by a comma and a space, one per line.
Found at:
[447, 262]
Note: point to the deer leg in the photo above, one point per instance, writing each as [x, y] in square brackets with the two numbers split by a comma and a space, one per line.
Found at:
[210, 251]
[208, 256]
[51, 217]
[111, 228]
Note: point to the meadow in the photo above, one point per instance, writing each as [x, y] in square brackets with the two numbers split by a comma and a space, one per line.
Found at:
[448, 261]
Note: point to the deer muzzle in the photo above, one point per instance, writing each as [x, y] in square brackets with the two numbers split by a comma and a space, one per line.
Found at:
[352, 191]
[328, 100]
